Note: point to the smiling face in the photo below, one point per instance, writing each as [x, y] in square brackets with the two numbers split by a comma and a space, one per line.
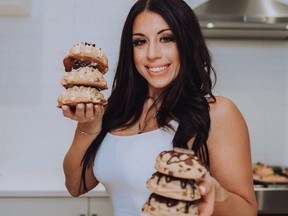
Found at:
[155, 51]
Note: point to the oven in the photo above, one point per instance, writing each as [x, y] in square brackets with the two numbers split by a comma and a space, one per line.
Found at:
[272, 199]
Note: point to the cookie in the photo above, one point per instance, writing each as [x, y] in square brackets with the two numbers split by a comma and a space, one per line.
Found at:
[85, 76]
[263, 170]
[180, 163]
[172, 187]
[265, 173]
[81, 94]
[85, 54]
[161, 206]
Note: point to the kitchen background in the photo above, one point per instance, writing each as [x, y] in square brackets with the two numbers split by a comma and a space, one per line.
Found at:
[34, 136]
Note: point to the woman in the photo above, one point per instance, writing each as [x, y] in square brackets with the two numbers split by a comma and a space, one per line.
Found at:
[161, 97]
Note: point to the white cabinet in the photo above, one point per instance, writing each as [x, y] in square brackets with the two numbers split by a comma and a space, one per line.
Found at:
[100, 207]
[55, 206]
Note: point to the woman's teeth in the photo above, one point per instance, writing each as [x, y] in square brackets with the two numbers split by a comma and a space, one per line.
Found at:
[158, 69]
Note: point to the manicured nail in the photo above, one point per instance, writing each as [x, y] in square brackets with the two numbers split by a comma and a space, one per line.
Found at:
[202, 188]
[80, 106]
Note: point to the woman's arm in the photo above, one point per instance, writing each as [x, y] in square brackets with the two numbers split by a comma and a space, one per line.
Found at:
[90, 121]
[231, 181]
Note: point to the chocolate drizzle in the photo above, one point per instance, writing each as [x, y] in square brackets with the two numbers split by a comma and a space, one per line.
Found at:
[183, 182]
[78, 64]
[177, 156]
[73, 63]
[168, 178]
[89, 44]
[170, 202]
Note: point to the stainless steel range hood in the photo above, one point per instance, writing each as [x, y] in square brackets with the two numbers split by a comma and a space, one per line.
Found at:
[243, 19]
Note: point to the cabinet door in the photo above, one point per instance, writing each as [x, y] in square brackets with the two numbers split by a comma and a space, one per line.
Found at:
[44, 206]
[101, 206]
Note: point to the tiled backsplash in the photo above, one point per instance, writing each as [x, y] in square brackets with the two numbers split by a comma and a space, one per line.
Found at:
[253, 73]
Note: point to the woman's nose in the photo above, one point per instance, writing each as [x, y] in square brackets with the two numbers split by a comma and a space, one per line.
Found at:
[154, 51]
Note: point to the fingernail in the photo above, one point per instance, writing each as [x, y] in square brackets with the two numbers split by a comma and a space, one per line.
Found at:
[64, 107]
[80, 106]
[89, 105]
[202, 188]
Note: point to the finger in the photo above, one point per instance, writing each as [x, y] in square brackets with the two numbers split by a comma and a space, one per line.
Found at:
[99, 111]
[206, 206]
[89, 114]
[80, 111]
[67, 112]
[203, 190]
[207, 191]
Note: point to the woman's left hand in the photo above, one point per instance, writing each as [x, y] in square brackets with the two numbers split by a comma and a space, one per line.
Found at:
[211, 192]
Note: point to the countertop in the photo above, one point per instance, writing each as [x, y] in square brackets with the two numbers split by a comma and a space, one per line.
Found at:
[23, 184]
[52, 184]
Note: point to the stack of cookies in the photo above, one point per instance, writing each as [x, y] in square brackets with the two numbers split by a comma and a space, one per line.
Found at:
[85, 65]
[174, 188]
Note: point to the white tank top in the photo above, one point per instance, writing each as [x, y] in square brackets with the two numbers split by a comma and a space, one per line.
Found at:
[123, 164]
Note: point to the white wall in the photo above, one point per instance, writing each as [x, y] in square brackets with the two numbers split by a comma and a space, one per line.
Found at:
[254, 75]
[34, 136]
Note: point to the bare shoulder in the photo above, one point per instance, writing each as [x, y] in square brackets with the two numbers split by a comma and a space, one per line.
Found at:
[223, 107]
[224, 113]
[227, 122]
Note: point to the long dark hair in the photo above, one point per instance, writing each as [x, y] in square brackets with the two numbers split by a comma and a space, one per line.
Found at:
[185, 99]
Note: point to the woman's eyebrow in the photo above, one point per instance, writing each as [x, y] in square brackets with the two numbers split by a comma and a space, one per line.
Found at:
[138, 34]
[161, 31]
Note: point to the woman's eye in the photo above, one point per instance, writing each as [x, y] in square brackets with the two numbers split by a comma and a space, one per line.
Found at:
[167, 39]
[138, 42]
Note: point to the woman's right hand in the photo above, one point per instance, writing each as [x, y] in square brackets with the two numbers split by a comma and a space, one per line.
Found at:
[89, 116]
